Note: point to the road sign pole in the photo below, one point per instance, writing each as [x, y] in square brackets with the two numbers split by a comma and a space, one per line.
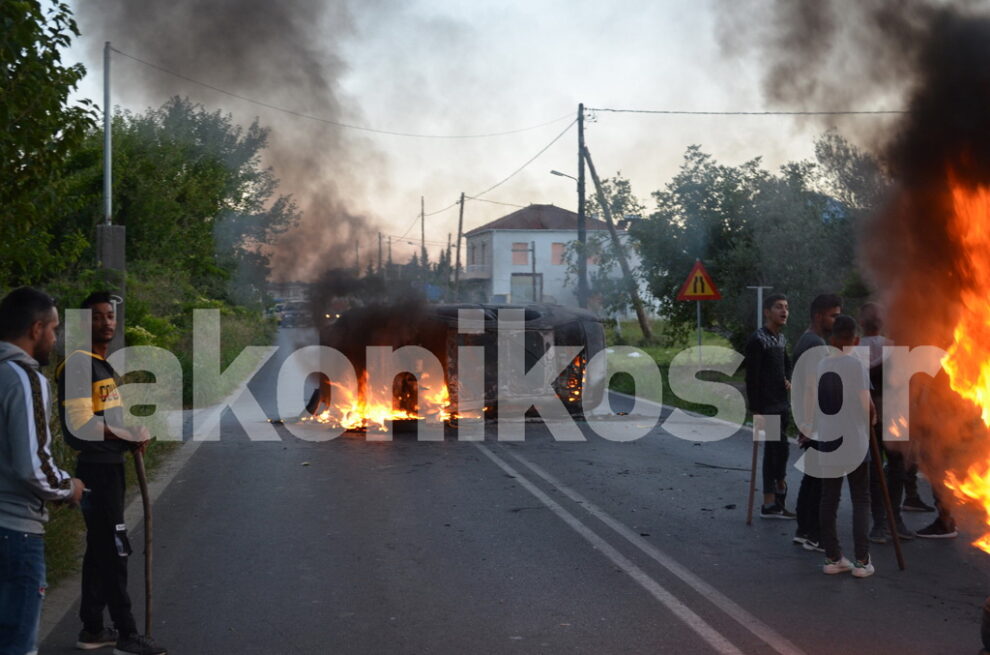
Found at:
[698, 305]
[759, 305]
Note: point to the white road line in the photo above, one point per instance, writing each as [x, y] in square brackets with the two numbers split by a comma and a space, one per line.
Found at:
[767, 634]
[715, 639]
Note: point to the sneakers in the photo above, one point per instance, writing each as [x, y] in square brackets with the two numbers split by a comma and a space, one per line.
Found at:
[776, 512]
[878, 535]
[93, 640]
[938, 530]
[904, 532]
[840, 566]
[863, 569]
[137, 645]
[813, 545]
[800, 538]
[916, 505]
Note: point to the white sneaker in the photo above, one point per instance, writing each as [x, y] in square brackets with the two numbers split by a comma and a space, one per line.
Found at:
[831, 568]
[863, 570]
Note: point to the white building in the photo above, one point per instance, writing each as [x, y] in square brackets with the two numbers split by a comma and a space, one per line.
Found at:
[513, 256]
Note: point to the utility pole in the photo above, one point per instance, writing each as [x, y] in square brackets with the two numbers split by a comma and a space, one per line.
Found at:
[460, 235]
[110, 238]
[532, 259]
[422, 228]
[357, 257]
[620, 251]
[581, 228]
[379, 253]
[107, 139]
[390, 252]
[759, 304]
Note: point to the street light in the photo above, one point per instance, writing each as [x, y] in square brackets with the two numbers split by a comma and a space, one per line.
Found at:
[563, 175]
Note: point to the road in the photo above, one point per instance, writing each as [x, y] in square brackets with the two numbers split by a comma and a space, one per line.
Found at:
[351, 546]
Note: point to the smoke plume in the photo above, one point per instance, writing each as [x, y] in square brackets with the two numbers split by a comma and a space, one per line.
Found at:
[933, 60]
[285, 53]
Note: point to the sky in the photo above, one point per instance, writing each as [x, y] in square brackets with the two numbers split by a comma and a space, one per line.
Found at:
[443, 67]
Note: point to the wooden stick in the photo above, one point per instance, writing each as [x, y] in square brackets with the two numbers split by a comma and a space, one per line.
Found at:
[146, 503]
[891, 521]
[752, 478]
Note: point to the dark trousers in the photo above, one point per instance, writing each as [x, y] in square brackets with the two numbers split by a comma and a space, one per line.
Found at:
[775, 455]
[104, 571]
[859, 490]
[808, 502]
[895, 476]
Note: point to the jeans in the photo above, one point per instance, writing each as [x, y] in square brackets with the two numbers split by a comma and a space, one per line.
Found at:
[22, 590]
[859, 489]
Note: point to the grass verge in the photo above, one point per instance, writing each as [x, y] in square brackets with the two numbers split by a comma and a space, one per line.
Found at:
[648, 359]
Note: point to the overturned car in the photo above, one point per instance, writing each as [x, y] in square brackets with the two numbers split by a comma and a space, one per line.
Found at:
[449, 333]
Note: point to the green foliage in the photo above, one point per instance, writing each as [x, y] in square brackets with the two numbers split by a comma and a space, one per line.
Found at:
[38, 130]
[607, 288]
[793, 230]
[189, 186]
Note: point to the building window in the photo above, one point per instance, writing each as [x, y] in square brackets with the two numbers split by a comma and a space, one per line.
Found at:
[484, 254]
[520, 253]
[471, 255]
[557, 254]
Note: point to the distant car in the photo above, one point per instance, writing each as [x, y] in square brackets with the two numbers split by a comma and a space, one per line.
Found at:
[297, 314]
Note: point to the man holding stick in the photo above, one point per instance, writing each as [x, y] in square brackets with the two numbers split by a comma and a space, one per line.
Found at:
[92, 421]
[824, 309]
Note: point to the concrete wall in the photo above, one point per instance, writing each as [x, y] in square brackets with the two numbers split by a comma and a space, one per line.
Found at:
[499, 266]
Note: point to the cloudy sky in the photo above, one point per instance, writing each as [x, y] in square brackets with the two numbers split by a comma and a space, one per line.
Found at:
[446, 67]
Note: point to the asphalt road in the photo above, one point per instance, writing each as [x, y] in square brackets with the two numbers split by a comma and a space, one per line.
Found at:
[351, 546]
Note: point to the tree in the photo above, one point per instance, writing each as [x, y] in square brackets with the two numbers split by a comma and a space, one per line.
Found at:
[605, 284]
[38, 130]
[191, 190]
[701, 214]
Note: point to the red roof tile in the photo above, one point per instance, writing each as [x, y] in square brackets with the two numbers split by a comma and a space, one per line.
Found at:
[539, 217]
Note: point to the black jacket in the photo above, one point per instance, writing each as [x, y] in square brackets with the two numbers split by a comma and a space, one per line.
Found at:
[768, 368]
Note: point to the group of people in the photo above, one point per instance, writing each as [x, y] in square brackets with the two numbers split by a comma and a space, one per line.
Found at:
[836, 376]
[92, 424]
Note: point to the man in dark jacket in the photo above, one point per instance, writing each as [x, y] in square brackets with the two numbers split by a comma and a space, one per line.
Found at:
[28, 473]
[824, 309]
[93, 424]
[768, 375]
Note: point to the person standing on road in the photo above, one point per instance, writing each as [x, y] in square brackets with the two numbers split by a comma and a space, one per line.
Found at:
[768, 373]
[844, 379]
[871, 322]
[824, 309]
[28, 473]
[93, 424]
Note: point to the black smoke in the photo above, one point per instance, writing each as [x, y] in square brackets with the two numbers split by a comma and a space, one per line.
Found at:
[285, 53]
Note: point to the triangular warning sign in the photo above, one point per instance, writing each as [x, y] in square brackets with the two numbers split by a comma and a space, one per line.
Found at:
[699, 285]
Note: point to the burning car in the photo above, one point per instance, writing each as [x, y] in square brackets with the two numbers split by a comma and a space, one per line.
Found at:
[415, 395]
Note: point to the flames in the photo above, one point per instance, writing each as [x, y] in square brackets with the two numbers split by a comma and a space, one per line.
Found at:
[409, 401]
[967, 361]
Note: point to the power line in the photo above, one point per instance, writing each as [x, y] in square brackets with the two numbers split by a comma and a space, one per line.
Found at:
[328, 121]
[528, 162]
[477, 196]
[496, 202]
[676, 112]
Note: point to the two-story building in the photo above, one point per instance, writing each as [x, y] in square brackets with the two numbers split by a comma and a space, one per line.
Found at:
[521, 257]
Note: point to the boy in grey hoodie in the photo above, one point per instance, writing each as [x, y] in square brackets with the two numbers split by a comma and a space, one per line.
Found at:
[28, 473]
